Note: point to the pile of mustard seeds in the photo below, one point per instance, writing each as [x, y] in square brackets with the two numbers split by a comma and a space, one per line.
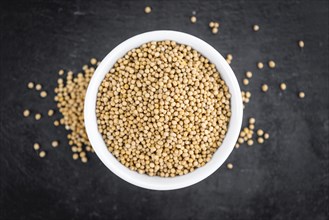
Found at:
[163, 109]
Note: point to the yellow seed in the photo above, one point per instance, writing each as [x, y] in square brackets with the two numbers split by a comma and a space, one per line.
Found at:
[255, 27]
[42, 154]
[147, 9]
[60, 72]
[211, 24]
[38, 87]
[37, 116]
[54, 143]
[237, 145]
[30, 85]
[43, 94]
[229, 166]
[260, 140]
[301, 95]
[56, 123]
[271, 64]
[240, 140]
[75, 156]
[26, 113]
[214, 30]
[260, 65]
[228, 61]
[250, 142]
[193, 19]
[248, 74]
[260, 132]
[36, 146]
[84, 159]
[93, 61]
[229, 57]
[248, 94]
[252, 127]
[50, 112]
[245, 81]
[252, 120]
[283, 86]
[301, 44]
[216, 24]
[266, 136]
[264, 88]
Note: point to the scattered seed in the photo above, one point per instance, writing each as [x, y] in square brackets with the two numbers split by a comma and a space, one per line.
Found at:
[283, 86]
[60, 72]
[245, 81]
[37, 116]
[255, 27]
[54, 143]
[211, 24]
[43, 94]
[93, 61]
[301, 44]
[271, 64]
[230, 166]
[228, 61]
[248, 74]
[75, 156]
[301, 95]
[229, 57]
[84, 159]
[250, 142]
[56, 123]
[260, 140]
[30, 85]
[51, 112]
[193, 19]
[266, 136]
[260, 65]
[214, 30]
[252, 127]
[147, 9]
[248, 94]
[42, 154]
[26, 113]
[38, 87]
[36, 146]
[237, 145]
[252, 120]
[260, 132]
[264, 88]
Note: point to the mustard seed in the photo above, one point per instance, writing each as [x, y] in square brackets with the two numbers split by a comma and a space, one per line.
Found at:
[42, 154]
[301, 44]
[38, 87]
[214, 30]
[30, 85]
[147, 9]
[56, 123]
[51, 112]
[37, 116]
[211, 24]
[264, 88]
[229, 57]
[266, 136]
[75, 156]
[229, 166]
[260, 140]
[260, 132]
[54, 143]
[93, 61]
[248, 74]
[255, 27]
[193, 19]
[250, 142]
[60, 72]
[301, 95]
[245, 81]
[26, 113]
[283, 86]
[43, 94]
[271, 64]
[36, 146]
[260, 65]
[252, 120]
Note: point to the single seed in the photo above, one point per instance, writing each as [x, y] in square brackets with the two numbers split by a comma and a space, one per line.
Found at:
[248, 94]
[60, 72]
[216, 24]
[84, 159]
[75, 156]
[228, 61]
[271, 64]
[193, 19]
[260, 140]
[42, 154]
[54, 143]
[252, 120]
[283, 86]
[37, 116]
[252, 127]
[211, 24]
[43, 94]
[230, 166]
[301, 95]
[36, 146]
[264, 88]
[250, 142]
[26, 113]
[260, 132]
[248, 74]
[229, 57]
[50, 112]
[38, 87]
[237, 145]
[30, 85]
[260, 65]
[93, 61]
[147, 9]
[255, 27]
[245, 81]
[56, 123]
[266, 136]
[214, 30]
[301, 44]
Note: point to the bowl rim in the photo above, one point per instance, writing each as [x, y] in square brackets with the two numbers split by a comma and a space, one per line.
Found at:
[160, 183]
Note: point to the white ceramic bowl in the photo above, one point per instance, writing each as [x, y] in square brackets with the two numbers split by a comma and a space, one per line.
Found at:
[159, 183]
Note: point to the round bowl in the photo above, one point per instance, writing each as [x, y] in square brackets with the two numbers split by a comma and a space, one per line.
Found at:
[155, 182]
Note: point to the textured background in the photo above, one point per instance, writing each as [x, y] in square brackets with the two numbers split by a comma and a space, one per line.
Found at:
[286, 178]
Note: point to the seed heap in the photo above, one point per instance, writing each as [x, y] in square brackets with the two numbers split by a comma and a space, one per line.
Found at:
[163, 109]
[70, 94]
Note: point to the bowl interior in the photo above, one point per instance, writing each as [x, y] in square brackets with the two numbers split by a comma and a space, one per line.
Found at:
[159, 183]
